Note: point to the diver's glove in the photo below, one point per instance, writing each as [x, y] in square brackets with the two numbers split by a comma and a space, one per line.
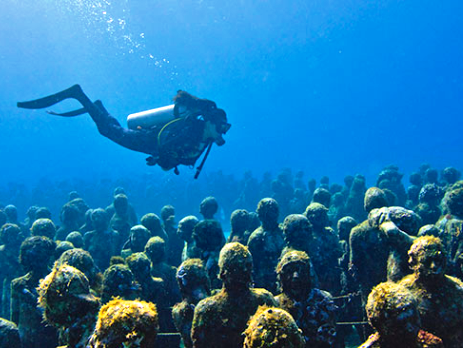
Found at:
[151, 160]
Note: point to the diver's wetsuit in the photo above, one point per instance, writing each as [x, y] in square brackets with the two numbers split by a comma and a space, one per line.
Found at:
[178, 142]
[181, 139]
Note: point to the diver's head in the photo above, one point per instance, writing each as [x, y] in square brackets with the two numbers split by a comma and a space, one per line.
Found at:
[216, 125]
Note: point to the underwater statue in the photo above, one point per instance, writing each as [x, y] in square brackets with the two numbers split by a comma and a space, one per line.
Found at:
[34, 256]
[43, 227]
[185, 232]
[174, 242]
[69, 218]
[194, 286]
[83, 261]
[138, 237]
[393, 312]
[440, 297]
[209, 239]
[118, 281]
[68, 304]
[152, 289]
[266, 244]
[11, 238]
[272, 327]
[101, 243]
[126, 324]
[220, 320]
[153, 223]
[173, 135]
[239, 221]
[313, 309]
[324, 248]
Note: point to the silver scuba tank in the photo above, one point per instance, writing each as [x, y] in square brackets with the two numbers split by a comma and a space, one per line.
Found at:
[150, 118]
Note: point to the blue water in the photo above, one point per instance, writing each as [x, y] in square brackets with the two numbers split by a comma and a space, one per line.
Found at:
[332, 87]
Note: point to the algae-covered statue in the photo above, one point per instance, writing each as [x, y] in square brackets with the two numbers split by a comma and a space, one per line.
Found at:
[393, 312]
[219, 320]
[313, 309]
[34, 256]
[126, 324]
[43, 227]
[440, 296]
[118, 281]
[11, 238]
[272, 327]
[185, 232]
[101, 243]
[209, 239]
[68, 305]
[173, 135]
[138, 237]
[325, 248]
[266, 244]
[194, 285]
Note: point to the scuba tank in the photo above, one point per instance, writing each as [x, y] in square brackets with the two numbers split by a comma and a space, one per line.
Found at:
[150, 118]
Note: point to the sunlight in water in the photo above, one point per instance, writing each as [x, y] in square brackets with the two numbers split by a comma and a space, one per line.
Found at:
[112, 20]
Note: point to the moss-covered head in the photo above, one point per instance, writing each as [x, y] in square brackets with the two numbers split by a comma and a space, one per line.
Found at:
[208, 235]
[35, 253]
[392, 311]
[374, 198]
[80, 259]
[153, 223]
[10, 234]
[454, 202]
[139, 264]
[235, 263]
[64, 295]
[43, 227]
[118, 281]
[427, 258]
[100, 219]
[268, 211]
[186, 227]
[139, 236]
[272, 327]
[167, 211]
[193, 280]
[293, 272]
[127, 324]
[155, 249]
[323, 196]
[344, 226]
[208, 207]
[121, 203]
[296, 229]
[239, 221]
[76, 239]
[317, 214]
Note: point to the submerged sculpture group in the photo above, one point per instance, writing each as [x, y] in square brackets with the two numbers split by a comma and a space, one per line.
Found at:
[102, 280]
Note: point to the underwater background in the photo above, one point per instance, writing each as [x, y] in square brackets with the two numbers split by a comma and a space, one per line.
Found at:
[330, 87]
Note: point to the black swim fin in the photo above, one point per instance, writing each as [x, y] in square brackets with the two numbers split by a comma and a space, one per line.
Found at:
[69, 113]
[53, 99]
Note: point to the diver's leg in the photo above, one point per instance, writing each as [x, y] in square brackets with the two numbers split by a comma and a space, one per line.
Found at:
[137, 140]
[108, 126]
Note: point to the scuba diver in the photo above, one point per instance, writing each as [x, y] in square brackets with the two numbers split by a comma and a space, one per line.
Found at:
[173, 135]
